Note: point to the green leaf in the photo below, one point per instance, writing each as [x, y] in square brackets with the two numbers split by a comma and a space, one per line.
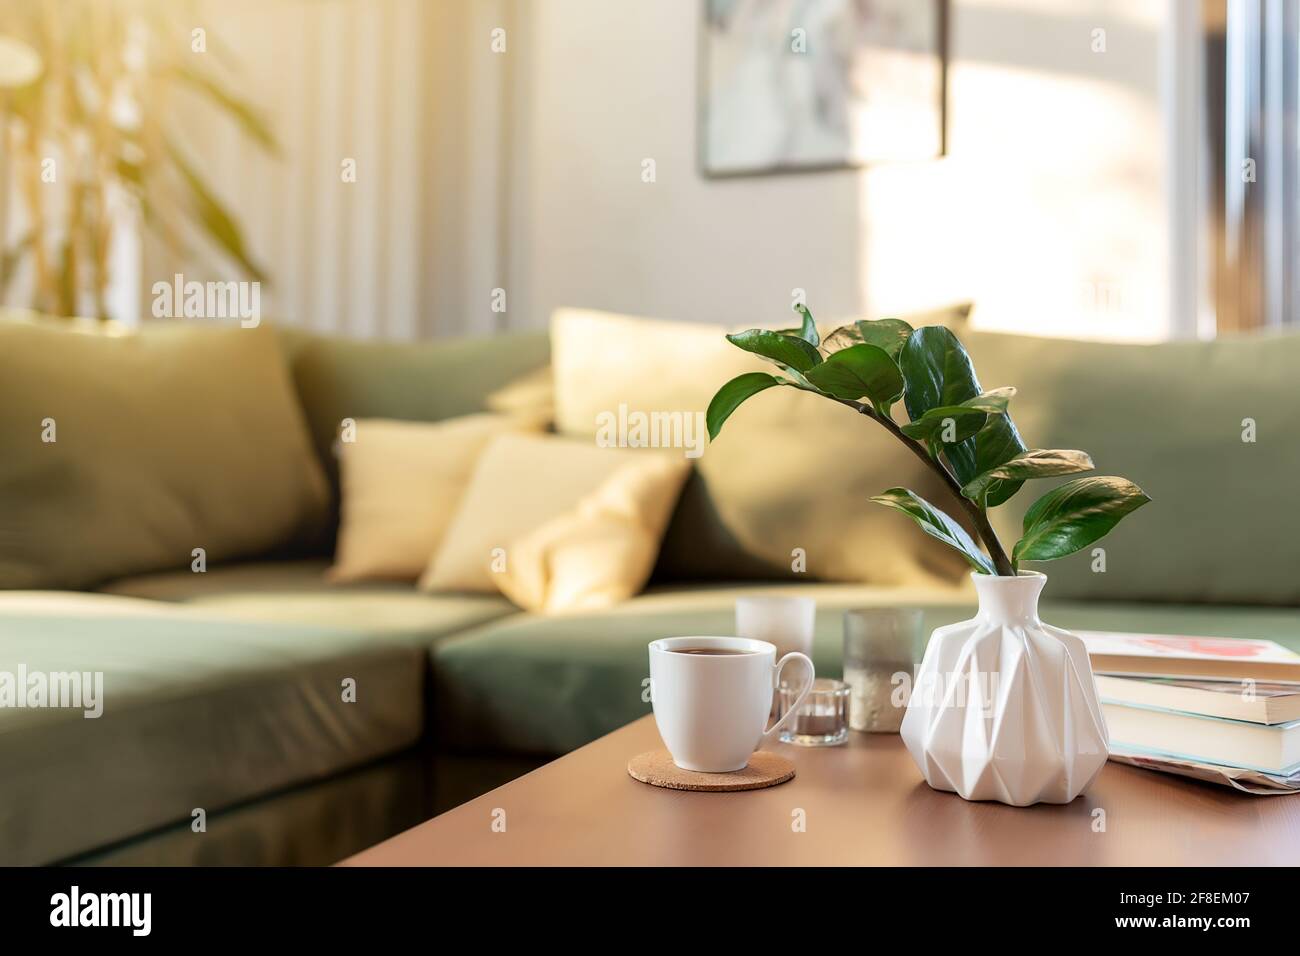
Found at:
[1039, 463]
[857, 371]
[939, 373]
[1075, 515]
[937, 370]
[784, 350]
[930, 427]
[216, 221]
[994, 401]
[131, 173]
[809, 330]
[242, 112]
[937, 525]
[967, 418]
[887, 334]
[12, 257]
[732, 395]
[997, 442]
[65, 282]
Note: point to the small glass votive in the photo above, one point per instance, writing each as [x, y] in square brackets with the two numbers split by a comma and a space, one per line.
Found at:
[822, 720]
[882, 651]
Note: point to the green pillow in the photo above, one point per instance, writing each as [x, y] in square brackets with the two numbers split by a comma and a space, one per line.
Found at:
[168, 439]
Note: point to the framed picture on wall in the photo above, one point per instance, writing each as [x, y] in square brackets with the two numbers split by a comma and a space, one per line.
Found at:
[795, 85]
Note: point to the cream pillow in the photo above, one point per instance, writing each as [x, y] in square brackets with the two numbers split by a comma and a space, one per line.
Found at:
[601, 552]
[602, 359]
[538, 506]
[400, 483]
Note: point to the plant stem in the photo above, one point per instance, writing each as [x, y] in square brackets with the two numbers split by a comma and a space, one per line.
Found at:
[979, 518]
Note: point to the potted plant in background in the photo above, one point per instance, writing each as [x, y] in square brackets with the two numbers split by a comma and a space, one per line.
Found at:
[89, 90]
[1004, 707]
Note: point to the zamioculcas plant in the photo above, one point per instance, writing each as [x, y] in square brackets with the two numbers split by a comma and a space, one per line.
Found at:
[962, 433]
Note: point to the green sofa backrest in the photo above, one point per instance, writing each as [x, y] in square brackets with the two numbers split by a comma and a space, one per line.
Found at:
[122, 454]
[1222, 526]
[338, 378]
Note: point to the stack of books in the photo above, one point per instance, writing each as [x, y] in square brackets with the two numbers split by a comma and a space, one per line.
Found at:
[1222, 702]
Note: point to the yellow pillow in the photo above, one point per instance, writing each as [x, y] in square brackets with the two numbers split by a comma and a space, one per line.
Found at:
[400, 483]
[602, 551]
[532, 394]
[536, 504]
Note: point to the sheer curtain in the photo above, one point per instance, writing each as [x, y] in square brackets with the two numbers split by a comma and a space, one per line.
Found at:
[1253, 90]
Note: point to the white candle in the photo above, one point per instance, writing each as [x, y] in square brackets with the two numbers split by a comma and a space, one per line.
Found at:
[787, 622]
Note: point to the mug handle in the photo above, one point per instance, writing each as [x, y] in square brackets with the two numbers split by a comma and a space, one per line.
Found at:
[776, 682]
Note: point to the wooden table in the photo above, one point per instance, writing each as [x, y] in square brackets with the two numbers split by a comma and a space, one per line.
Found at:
[863, 803]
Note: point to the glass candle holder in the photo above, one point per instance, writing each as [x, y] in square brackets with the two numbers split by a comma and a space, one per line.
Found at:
[882, 651]
[823, 720]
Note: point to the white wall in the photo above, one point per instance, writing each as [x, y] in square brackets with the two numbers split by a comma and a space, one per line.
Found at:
[608, 85]
[1048, 210]
[523, 170]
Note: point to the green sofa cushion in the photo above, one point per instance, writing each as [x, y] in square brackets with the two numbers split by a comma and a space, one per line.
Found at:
[175, 437]
[296, 592]
[1222, 526]
[548, 685]
[198, 712]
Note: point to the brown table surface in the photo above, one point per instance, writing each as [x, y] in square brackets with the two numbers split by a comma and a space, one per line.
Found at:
[863, 803]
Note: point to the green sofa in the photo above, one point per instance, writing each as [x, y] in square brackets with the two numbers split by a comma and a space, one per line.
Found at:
[227, 741]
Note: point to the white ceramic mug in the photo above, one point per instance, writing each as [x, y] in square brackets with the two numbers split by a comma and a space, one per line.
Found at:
[711, 708]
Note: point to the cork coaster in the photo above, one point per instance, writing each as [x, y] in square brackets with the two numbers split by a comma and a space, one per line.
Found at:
[656, 768]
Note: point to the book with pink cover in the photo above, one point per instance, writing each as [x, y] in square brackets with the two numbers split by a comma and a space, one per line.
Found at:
[1167, 655]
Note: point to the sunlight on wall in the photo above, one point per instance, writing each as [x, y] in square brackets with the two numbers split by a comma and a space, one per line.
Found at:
[1048, 210]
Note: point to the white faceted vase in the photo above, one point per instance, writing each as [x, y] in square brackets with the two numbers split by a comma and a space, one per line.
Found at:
[1004, 707]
